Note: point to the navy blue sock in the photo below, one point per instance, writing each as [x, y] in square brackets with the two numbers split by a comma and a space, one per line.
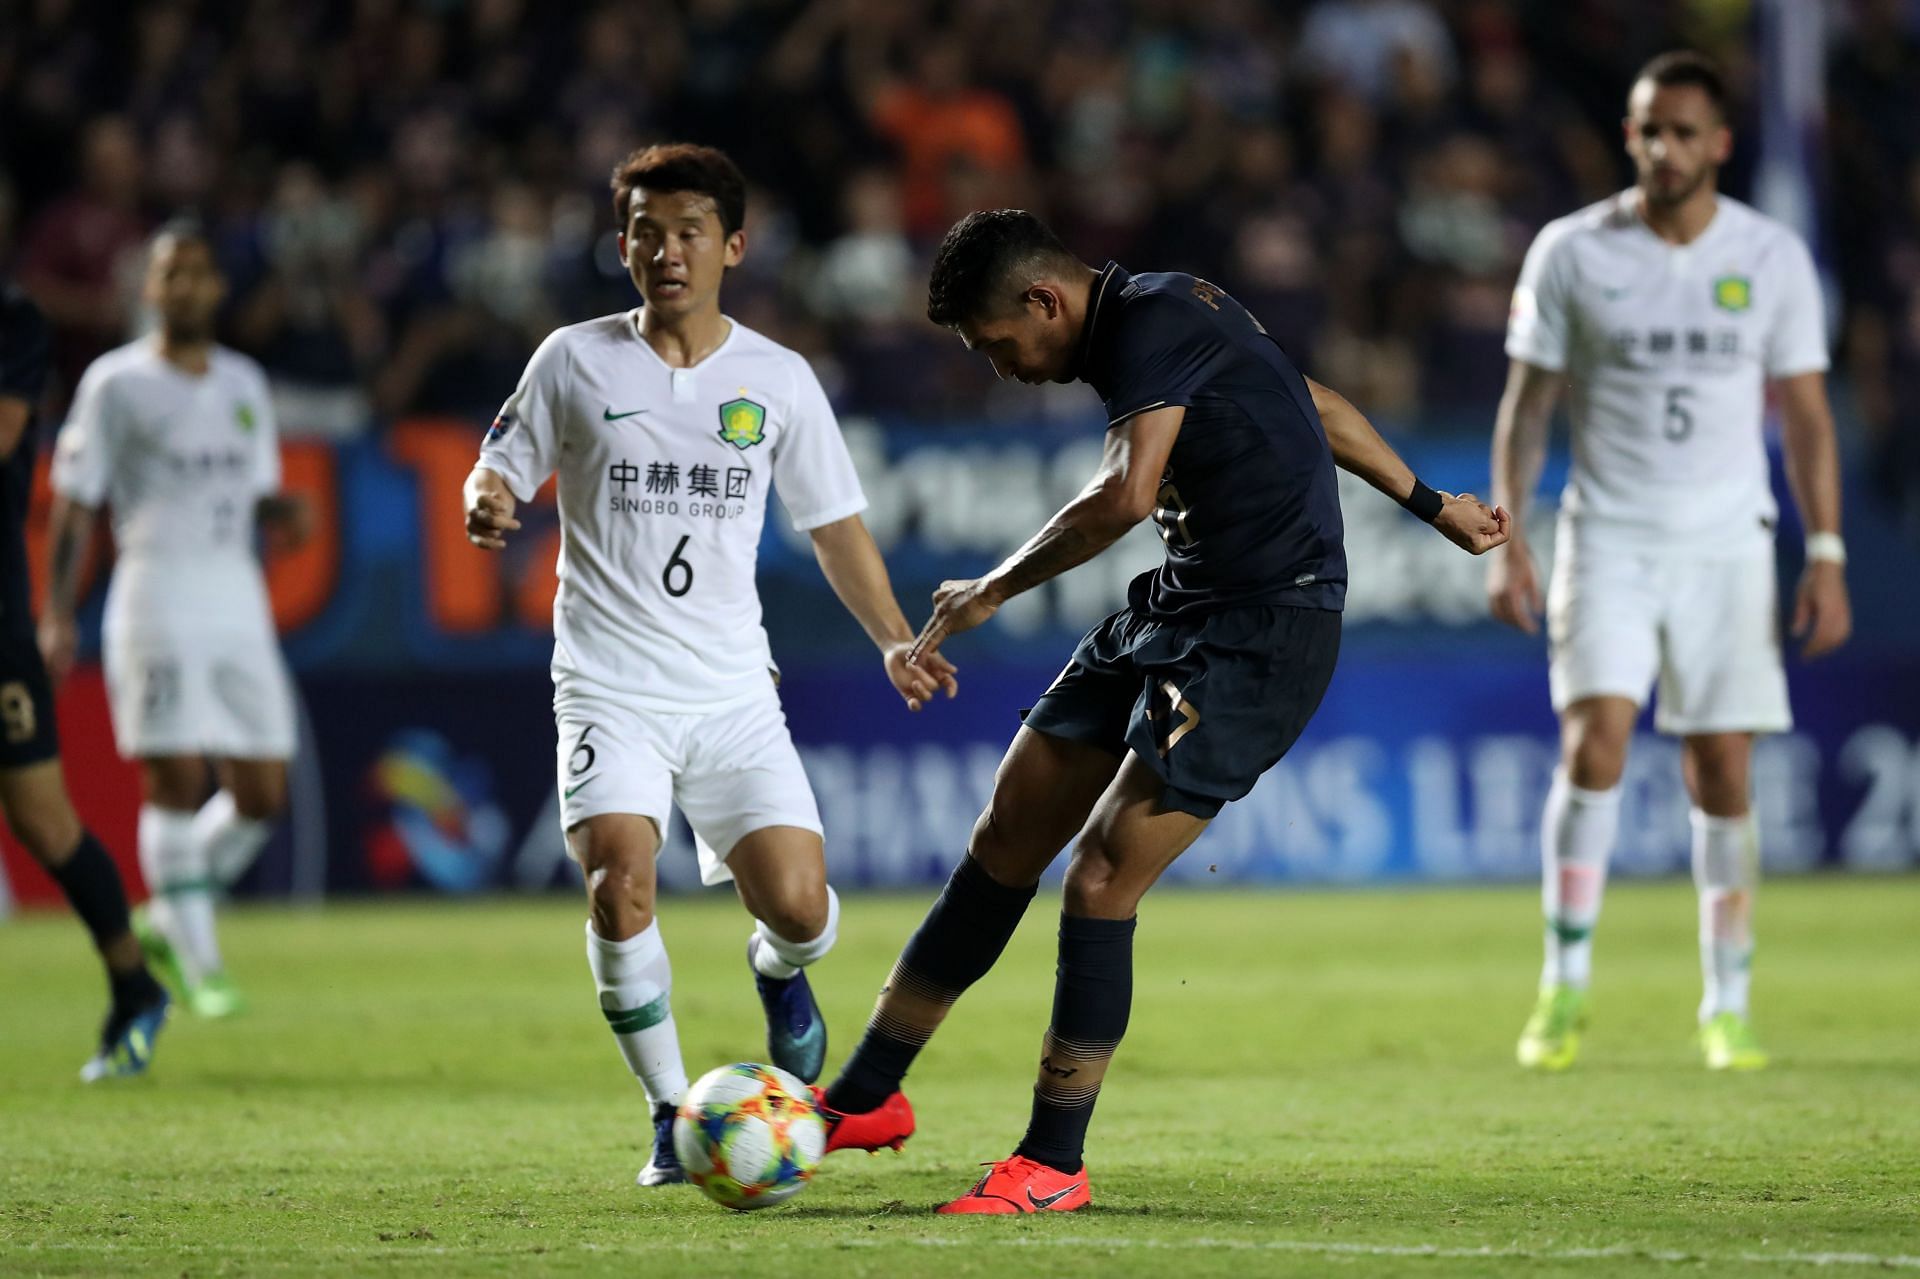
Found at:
[958, 942]
[92, 884]
[1092, 997]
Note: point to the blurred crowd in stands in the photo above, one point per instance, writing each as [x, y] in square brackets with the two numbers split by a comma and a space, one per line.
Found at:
[408, 194]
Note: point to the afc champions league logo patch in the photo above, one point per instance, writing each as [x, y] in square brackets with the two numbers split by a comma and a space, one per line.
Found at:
[501, 426]
[1733, 293]
[743, 423]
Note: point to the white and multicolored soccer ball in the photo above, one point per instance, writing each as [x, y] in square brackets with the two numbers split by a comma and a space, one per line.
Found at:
[750, 1136]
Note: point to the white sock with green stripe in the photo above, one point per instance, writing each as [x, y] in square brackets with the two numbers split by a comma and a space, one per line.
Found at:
[1576, 839]
[1726, 869]
[781, 959]
[182, 906]
[228, 841]
[636, 983]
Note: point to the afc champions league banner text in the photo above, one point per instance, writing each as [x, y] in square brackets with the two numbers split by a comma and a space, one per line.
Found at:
[427, 733]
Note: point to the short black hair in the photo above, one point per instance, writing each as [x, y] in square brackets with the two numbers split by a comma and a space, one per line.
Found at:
[978, 254]
[1685, 67]
[683, 166]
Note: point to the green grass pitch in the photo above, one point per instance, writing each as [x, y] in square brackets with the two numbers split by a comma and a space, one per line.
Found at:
[1315, 1083]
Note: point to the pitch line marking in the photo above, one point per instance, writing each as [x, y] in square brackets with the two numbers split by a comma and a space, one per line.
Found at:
[1614, 1252]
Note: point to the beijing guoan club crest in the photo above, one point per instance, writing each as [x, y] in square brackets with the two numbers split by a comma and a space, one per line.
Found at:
[743, 423]
[1733, 293]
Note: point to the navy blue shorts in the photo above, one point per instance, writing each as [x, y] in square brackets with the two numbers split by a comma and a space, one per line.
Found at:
[1208, 704]
[27, 732]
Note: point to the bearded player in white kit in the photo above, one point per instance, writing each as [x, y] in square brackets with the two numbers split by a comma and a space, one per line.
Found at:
[668, 426]
[1667, 312]
[175, 434]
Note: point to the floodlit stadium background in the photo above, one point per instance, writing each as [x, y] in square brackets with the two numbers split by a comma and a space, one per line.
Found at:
[407, 197]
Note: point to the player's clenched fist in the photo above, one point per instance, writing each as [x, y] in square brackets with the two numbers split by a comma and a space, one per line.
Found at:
[1471, 524]
[1513, 589]
[490, 507]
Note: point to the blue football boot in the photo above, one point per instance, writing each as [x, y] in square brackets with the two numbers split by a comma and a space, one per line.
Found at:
[663, 1169]
[796, 1030]
[126, 1044]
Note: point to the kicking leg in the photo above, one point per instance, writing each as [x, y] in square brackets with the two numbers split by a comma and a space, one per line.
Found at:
[36, 806]
[630, 967]
[780, 873]
[1042, 794]
[1576, 840]
[1726, 871]
[1129, 842]
[233, 826]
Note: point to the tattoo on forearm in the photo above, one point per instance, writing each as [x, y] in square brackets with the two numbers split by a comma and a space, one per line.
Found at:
[68, 546]
[1051, 552]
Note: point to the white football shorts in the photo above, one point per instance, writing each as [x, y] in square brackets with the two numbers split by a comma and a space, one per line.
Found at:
[732, 771]
[1705, 627]
[226, 695]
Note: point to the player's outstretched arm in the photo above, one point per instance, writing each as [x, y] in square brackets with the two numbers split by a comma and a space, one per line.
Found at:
[1119, 496]
[1822, 611]
[1357, 447]
[489, 509]
[858, 575]
[1519, 452]
[69, 535]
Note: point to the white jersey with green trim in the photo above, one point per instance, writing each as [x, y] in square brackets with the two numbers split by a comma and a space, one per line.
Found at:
[1667, 350]
[180, 459]
[664, 475]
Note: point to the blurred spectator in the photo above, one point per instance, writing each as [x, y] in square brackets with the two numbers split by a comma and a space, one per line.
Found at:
[1874, 101]
[82, 253]
[866, 275]
[406, 196]
[306, 311]
[944, 126]
[1358, 43]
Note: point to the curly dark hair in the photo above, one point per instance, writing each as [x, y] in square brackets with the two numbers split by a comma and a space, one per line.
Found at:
[1685, 67]
[683, 166]
[978, 254]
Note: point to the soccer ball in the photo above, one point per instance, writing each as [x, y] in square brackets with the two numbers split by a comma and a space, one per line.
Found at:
[749, 1135]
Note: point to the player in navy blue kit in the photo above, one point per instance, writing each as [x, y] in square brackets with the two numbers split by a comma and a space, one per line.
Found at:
[33, 792]
[1170, 708]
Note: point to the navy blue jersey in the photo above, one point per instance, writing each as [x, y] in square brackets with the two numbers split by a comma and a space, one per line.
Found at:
[1249, 506]
[23, 376]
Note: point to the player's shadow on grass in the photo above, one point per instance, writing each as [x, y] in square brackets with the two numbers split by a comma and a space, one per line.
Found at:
[913, 1211]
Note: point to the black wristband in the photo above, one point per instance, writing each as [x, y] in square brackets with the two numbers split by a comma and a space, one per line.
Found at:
[1423, 501]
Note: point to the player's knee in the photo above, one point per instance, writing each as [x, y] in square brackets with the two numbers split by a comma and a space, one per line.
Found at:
[622, 902]
[174, 781]
[262, 800]
[1596, 761]
[1717, 771]
[49, 832]
[1094, 886]
[996, 847]
[798, 916]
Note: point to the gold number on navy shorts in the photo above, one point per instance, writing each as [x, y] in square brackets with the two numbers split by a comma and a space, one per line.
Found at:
[1169, 706]
[16, 712]
[1170, 515]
